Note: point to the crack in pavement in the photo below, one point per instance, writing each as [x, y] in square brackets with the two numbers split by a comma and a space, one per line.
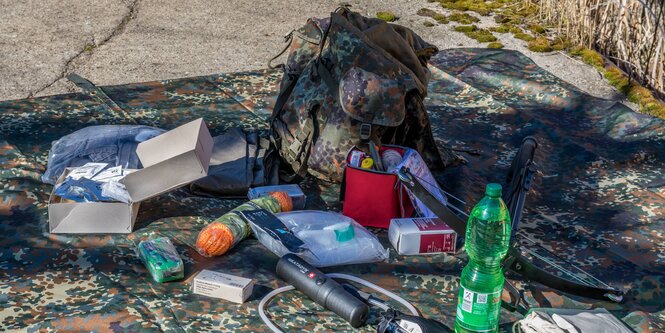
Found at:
[120, 28]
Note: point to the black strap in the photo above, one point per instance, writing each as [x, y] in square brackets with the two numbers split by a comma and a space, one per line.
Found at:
[322, 69]
[284, 95]
[342, 187]
[519, 181]
[288, 39]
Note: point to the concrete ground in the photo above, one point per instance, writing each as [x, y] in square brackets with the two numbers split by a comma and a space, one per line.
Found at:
[122, 41]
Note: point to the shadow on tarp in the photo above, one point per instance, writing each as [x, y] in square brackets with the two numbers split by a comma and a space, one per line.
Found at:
[594, 158]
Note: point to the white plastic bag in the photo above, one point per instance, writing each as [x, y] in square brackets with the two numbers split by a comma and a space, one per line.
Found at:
[330, 239]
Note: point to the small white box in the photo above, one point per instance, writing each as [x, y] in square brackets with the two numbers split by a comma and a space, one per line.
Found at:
[421, 235]
[219, 285]
[170, 160]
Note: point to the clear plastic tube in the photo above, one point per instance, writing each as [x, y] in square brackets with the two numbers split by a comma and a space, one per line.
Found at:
[265, 300]
[340, 276]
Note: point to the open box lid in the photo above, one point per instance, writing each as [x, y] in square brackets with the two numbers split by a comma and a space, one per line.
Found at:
[170, 160]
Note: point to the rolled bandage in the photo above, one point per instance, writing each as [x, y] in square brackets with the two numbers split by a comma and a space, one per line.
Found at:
[228, 230]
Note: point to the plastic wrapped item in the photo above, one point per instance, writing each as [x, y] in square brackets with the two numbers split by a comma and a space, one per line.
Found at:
[228, 230]
[330, 239]
[111, 144]
[93, 182]
[298, 198]
[161, 258]
[559, 320]
[86, 190]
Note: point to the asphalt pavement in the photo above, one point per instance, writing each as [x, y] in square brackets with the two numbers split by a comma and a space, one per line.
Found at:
[123, 41]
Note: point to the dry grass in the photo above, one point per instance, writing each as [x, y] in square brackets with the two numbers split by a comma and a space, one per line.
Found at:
[631, 33]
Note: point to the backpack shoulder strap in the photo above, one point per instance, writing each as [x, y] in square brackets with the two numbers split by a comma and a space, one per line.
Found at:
[284, 95]
[288, 40]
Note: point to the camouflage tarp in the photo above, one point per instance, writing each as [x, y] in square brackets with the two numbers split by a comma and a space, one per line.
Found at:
[595, 202]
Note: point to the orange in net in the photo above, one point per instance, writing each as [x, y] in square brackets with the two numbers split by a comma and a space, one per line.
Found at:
[217, 238]
[214, 240]
[284, 200]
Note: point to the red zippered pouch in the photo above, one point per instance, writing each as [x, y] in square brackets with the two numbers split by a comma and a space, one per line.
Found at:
[373, 197]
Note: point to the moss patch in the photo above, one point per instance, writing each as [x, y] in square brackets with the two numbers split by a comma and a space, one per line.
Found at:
[590, 57]
[645, 99]
[430, 13]
[519, 12]
[536, 28]
[540, 44]
[647, 102]
[428, 24]
[463, 18]
[522, 11]
[387, 16]
[524, 36]
[495, 45]
[441, 18]
[426, 12]
[560, 44]
[481, 35]
[89, 47]
[479, 6]
[501, 19]
[462, 5]
[466, 28]
[618, 79]
[515, 30]
[502, 29]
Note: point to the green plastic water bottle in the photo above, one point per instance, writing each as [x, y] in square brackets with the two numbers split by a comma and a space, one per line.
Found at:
[481, 284]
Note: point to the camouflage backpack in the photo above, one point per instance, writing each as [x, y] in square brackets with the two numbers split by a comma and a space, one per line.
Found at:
[349, 79]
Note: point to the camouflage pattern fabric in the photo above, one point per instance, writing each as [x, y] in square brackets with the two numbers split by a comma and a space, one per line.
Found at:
[598, 201]
[358, 88]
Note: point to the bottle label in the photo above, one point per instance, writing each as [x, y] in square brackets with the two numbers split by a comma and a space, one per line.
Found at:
[478, 311]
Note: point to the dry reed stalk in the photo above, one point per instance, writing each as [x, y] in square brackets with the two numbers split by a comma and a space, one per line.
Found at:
[628, 31]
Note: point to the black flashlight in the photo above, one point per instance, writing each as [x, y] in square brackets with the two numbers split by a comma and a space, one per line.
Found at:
[322, 289]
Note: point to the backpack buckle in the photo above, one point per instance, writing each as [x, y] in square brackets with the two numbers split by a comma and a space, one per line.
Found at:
[365, 131]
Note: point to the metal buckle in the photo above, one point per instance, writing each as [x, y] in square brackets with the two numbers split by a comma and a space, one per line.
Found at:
[295, 146]
[405, 176]
[365, 131]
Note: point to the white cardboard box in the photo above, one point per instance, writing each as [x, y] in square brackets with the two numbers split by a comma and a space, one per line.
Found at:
[219, 285]
[170, 160]
[421, 235]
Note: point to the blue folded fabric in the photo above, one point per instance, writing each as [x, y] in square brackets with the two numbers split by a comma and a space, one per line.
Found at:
[112, 144]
